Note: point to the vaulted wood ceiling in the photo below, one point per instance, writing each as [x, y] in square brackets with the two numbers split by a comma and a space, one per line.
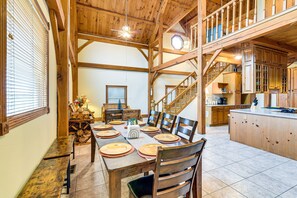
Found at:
[98, 17]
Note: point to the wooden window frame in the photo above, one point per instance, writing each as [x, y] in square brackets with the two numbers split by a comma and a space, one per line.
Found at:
[116, 86]
[7, 123]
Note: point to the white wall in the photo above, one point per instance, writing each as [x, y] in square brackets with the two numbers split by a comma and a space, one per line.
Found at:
[23, 147]
[92, 82]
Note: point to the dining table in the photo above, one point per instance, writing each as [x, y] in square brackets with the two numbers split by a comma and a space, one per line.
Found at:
[132, 164]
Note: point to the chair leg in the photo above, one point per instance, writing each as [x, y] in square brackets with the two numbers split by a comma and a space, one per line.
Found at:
[68, 177]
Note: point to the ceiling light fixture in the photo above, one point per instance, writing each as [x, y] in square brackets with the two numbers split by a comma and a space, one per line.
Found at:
[125, 32]
[238, 57]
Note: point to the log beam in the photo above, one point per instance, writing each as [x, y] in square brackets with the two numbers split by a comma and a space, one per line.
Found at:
[85, 45]
[112, 67]
[213, 58]
[57, 7]
[112, 41]
[142, 52]
[274, 44]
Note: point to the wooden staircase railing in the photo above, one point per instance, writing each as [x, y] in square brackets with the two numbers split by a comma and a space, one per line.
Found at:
[215, 71]
[175, 92]
[235, 16]
[182, 100]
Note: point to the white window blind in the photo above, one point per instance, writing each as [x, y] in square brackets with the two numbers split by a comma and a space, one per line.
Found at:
[27, 58]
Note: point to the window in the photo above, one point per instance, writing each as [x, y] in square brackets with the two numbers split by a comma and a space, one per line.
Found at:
[26, 68]
[177, 42]
[114, 93]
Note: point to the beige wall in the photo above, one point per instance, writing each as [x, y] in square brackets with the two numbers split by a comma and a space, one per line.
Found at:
[22, 149]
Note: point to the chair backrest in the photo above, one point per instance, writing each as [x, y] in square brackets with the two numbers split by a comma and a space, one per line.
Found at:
[153, 118]
[167, 122]
[131, 113]
[175, 169]
[186, 128]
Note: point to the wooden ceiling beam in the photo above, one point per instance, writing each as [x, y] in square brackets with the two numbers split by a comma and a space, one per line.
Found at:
[160, 12]
[170, 51]
[84, 45]
[274, 44]
[142, 52]
[176, 61]
[57, 7]
[180, 16]
[112, 41]
[116, 14]
[112, 67]
[212, 59]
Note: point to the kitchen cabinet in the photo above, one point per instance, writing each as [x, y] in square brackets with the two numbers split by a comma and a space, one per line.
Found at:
[263, 69]
[233, 80]
[292, 87]
[218, 115]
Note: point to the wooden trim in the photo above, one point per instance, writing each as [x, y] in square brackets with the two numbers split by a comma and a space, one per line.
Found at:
[213, 58]
[40, 13]
[112, 67]
[84, 45]
[116, 14]
[17, 120]
[116, 86]
[274, 44]
[112, 41]
[174, 72]
[56, 5]
[71, 54]
[176, 61]
[142, 52]
[3, 44]
[253, 31]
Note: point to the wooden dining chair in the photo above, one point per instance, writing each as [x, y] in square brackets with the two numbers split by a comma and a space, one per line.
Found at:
[153, 118]
[167, 123]
[186, 128]
[174, 172]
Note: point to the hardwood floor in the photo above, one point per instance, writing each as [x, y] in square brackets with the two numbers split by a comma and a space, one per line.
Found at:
[230, 169]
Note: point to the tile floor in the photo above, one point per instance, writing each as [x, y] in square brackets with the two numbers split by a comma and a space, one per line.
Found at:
[230, 170]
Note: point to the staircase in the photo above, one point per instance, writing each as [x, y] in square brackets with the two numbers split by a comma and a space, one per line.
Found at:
[179, 97]
[184, 93]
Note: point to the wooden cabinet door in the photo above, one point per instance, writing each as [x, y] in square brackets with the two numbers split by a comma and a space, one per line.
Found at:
[271, 77]
[278, 77]
[276, 58]
[220, 115]
[293, 97]
[284, 60]
[226, 112]
[248, 78]
[258, 55]
[267, 56]
[214, 116]
[294, 79]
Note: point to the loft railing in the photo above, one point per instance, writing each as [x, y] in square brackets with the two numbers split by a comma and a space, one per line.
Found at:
[170, 96]
[237, 15]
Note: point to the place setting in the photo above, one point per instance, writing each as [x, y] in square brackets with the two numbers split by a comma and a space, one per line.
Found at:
[108, 134]
[115, 150]
[103, 127]
[116, 122]
[150, 129]
[149, 151]
[167, 138]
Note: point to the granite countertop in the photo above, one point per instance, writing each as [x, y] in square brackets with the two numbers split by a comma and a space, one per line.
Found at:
[267, 112]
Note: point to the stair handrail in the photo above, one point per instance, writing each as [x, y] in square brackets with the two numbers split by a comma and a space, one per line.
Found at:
[183, 92]
[176, 87]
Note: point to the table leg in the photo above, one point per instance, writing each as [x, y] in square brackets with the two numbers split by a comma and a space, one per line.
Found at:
[93, 147]
[114, 184]
[197, 185]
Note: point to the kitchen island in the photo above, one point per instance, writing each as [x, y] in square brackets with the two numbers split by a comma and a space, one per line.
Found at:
[266, 129]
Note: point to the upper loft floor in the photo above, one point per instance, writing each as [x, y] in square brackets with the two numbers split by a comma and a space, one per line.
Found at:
[244, 20]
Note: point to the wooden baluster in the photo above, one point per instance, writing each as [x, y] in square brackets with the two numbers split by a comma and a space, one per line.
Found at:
[212, 30]
[255, 11]
[222, 21]
[196, 34]
[264, 10]
[273, 7]
[217, 25]
[207, 27]
[247, 13]
[240, 14]
[227, 22]
[233, 16]
[284, 5]
[191, 40]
